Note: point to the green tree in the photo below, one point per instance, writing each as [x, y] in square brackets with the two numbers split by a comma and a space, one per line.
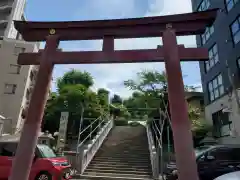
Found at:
[150, 90]
[52, 113]
[103, 96]
[200, 127]
[116, 99]
[75, 77]
[73, 95]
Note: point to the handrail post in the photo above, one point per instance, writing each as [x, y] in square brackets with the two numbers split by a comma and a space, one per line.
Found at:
[90, 132]
[87, 154]
[80, 159]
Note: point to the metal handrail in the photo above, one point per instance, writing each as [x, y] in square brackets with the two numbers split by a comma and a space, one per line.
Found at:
[90, 134]
[90, 125]
[156, 149]
[155, 133]
[88, 153]
[153, 154]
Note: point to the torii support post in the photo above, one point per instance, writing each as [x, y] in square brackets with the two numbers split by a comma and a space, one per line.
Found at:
[108, 30]
[181, 127]
[26, 147]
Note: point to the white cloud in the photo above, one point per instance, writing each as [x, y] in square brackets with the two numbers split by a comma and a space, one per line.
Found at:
[111, 76]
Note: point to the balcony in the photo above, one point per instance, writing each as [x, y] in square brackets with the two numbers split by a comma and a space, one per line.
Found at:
[32, 84]
[6, 8]
[27, 102]
[35, 70]
[3, 23]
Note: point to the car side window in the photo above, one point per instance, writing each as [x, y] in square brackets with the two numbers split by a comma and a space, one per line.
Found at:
[222, 154]
[8, 149]
[235, 154]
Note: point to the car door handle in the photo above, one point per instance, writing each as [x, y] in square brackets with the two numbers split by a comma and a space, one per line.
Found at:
[231, 166]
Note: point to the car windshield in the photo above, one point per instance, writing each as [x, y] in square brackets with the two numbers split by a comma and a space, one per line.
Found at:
[46, 151]
[201, 150]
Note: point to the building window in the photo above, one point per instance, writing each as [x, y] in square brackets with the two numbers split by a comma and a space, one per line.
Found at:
[10, 88]
[207, 34]
[28, 94]
[44, 141]
[215, 88]
[221, 124]
[8, 149]
[31, 76]
[18, 37]
[238, 62]
[235, 29]
[202, 105]
[15, 69]
[18, 50]
[213, 57]
[204, 5]
[230, 4]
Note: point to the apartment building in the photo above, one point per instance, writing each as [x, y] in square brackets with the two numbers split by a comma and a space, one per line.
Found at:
[195, 100]
[10, 10]
[221, 74]
[16, 82]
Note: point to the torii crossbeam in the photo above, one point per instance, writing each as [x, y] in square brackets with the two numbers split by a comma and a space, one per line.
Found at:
[166, 26]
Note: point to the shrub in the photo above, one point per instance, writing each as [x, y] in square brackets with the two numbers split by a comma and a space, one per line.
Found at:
[121, 122]
[134, 124]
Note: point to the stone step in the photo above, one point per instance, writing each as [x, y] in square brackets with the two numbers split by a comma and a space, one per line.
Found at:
[92, 168]
[89, 177]
[119, 165]
[119, 150]
[124, 157]
[130, 155]
[117, 171]
[122, 154]
[125, 147]
[137, 140]
[119, 174]
[119, 160]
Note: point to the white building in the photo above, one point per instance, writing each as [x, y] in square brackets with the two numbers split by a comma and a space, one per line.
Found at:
[10, 10]
[16, 82]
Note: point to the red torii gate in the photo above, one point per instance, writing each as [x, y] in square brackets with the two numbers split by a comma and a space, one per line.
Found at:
[166, 26]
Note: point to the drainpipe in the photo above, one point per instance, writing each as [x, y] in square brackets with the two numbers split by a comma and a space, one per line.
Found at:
[80, 127]
[234, 90]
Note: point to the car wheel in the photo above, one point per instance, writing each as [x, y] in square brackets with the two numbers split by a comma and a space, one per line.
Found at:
[44, 176]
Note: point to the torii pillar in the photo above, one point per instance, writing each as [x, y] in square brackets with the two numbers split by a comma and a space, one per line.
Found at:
[108, 30]
[29, 136]
[181, 126]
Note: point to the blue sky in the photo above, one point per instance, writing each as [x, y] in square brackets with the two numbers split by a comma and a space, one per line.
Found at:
[111, 76]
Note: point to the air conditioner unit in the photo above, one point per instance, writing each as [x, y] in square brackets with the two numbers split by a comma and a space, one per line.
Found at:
[27, 103]
[233, 133]
[32, 84]
[227, 110]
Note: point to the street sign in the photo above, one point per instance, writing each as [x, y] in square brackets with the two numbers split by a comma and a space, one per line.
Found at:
[62, 129]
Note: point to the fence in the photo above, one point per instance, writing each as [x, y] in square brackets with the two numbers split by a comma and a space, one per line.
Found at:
[87, 148]
[161, 155]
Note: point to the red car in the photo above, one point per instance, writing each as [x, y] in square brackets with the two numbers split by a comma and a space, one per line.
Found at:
[46, 165]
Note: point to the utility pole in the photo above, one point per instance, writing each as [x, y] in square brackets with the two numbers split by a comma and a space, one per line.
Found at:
[80, 126]
[234, 88]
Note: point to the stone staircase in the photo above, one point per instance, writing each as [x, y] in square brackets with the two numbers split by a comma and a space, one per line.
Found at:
[123, 155]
